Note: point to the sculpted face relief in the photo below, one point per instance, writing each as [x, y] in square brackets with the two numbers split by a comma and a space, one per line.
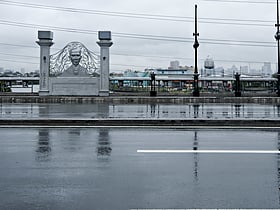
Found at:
[75, 69]
[75, 56]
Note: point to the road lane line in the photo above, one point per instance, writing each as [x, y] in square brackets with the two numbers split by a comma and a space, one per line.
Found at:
[213, 151]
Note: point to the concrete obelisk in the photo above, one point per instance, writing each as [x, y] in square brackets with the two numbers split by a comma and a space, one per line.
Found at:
[45, 42]
[104, 43]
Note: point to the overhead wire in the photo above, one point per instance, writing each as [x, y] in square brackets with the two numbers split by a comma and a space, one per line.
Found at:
[22, 56]
[17, 61]
[96, 12]
[18, 45]
[138, 55]
[145, 36]
[126, 35]
[240, 1]
[211, 20]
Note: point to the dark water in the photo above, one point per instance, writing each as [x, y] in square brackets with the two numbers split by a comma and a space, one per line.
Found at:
[209, 111]
[99, 168]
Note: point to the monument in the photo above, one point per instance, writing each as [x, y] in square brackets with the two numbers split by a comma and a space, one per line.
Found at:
[74, 70]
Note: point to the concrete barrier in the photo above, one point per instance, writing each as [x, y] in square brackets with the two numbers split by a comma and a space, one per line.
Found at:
[142, 122]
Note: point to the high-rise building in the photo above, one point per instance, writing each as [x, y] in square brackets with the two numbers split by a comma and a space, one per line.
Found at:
[22, 70]
[266, 69]
[233, 70]
[244, 69]
[209, 67]
[174, 65]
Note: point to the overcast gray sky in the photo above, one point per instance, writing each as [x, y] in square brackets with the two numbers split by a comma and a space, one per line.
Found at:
[226, 29]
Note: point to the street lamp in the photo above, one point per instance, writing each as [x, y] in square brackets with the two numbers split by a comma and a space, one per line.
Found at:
[237, 85]
[195, 46]
[153, 91]
[277, 37]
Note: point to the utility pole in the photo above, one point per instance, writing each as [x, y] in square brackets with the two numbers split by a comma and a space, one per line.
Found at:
[195, 46]
[277, 37]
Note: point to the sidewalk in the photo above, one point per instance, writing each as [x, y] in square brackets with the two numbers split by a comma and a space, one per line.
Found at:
[136, 99]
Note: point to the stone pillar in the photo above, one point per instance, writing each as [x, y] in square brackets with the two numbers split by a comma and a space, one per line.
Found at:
[45, 42]
[104, 43]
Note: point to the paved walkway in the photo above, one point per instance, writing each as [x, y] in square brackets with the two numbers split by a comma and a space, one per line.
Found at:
[136, 99]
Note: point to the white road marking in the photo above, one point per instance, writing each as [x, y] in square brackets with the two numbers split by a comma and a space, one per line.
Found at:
[213, 151]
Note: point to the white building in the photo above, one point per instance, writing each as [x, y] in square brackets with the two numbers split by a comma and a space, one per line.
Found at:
[266, 69]
[174, 65]
[209, 67]
[233, 70]
[244, 69]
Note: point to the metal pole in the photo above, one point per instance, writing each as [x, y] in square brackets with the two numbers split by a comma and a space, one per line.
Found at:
[195, 46]
[153, 91]
[277, 37]
[237, 85]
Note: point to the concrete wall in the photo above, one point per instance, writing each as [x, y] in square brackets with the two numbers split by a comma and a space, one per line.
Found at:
[74, 86]
[191, 123]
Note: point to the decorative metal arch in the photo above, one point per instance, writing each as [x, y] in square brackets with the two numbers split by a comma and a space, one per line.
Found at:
[60, 61]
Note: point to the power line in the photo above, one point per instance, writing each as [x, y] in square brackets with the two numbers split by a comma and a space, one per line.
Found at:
[145, 36]
[129, 65]
[22, 56]
[239, 24]
[28, 25]
[207, 20]
[239, 1]
[139, 55]
[96, 12]
[187, 58]
[237, 20]
[17, 61]
[19, 45]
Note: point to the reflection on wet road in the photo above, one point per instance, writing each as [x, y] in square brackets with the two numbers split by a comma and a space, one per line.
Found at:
[191, 111]
[99, 168]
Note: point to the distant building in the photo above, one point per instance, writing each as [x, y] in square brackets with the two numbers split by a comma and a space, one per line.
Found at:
[187, 70]
[130, 73]
[266, 69]
[174, 65]
[220, 71]
[173, 70]
[244, 69]
[233, 70]
[22, 70]
[255, 72]
[209, 67]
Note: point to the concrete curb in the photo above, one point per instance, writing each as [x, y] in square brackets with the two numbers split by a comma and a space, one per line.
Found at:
[143, 122]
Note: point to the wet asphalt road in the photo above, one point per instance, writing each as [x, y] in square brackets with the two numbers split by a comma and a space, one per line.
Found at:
[99, 168]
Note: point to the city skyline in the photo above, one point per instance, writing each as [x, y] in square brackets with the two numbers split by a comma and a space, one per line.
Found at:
[158, 32]
[265, 70]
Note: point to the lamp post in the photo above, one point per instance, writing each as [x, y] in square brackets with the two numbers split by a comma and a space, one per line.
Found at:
[153, 91]
[277, 37]
[195, 46]
[237, 91]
